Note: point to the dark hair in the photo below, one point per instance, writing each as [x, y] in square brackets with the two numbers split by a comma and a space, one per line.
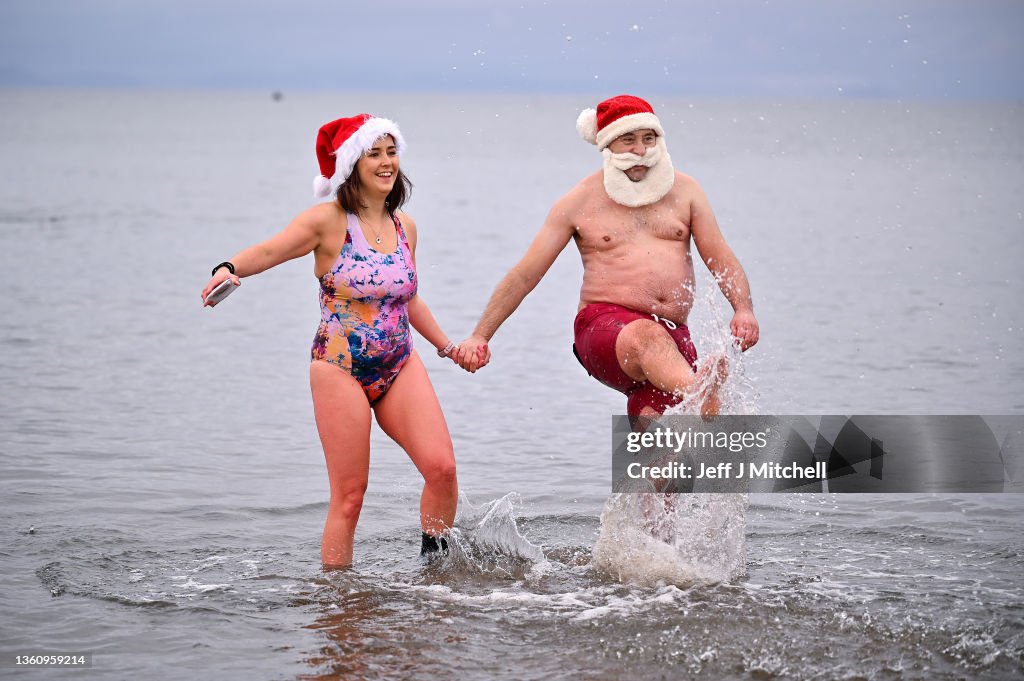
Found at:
[350, 193]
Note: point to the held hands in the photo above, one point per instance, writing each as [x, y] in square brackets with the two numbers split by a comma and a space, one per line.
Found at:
[745, 329]
[473, 354]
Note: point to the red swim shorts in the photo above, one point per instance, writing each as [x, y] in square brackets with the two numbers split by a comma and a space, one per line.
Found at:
[597, 326]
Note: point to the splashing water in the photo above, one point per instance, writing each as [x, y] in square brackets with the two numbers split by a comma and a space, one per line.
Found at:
[681, 539]
[709, 326]
[486, 539]
[648, 538]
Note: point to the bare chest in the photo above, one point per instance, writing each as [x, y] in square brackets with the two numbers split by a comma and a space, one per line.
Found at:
[610, 227]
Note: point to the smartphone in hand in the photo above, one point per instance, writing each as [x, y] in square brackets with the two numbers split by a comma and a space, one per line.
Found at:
[220, 292]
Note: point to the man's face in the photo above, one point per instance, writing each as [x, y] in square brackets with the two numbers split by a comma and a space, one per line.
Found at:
[636, 142]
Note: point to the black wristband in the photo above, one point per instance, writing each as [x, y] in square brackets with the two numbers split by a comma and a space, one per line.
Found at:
[231, 268]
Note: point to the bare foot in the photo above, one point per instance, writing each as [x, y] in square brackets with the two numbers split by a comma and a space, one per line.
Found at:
[710, 377]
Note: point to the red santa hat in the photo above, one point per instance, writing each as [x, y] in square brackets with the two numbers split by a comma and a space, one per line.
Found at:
[615, 117]
[341, 143]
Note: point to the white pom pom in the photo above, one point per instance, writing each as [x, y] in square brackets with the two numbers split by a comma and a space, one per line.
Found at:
[321, 187]
[586, 125]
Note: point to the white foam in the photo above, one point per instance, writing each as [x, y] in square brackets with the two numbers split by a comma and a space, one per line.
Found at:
[594, 602]
[199, 587]
[684, 539]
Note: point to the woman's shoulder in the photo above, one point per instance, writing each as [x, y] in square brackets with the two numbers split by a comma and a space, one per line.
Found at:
[408, 228]
[327, 209]
[321, 214]
[408, 224]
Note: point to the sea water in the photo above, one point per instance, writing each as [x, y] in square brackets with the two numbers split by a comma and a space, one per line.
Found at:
[164, 488]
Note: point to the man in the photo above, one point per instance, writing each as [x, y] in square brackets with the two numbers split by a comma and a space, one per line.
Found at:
[633, 223]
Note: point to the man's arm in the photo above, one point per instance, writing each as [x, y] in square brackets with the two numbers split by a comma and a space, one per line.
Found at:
[725, 266]
[554, 234]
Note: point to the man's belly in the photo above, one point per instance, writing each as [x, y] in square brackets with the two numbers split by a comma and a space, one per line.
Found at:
[669, 300]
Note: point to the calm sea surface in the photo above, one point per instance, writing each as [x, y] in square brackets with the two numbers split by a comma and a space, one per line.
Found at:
[162, 481]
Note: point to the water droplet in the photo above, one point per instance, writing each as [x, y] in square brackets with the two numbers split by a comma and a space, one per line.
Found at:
[568, 38]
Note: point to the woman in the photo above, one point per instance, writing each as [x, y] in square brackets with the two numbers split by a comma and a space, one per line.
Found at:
[362, 357]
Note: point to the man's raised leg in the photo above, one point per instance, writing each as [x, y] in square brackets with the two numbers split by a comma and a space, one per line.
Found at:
[646, 352]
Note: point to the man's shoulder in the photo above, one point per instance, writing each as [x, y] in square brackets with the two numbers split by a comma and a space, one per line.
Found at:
[685, 188]
[684, 181]
[588, 184]
[566, 212]
[584, 190]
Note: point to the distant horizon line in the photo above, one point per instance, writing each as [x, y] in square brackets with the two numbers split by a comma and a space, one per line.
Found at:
[561, 92]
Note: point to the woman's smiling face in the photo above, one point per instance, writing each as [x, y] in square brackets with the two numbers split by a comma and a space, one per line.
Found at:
[378, 167]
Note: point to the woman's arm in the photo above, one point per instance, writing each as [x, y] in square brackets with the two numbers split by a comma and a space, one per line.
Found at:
[420, 315]
[300, 237]
[423, 321]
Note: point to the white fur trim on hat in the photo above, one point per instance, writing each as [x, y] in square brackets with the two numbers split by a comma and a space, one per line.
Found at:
[321, 187]
[586, 125]
[361, 141]
[631, 123]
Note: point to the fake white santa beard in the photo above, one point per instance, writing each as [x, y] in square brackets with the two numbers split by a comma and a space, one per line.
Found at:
[656, 183]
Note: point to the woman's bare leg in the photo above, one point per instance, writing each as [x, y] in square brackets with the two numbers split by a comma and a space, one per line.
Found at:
[411, 415]
[343, 420]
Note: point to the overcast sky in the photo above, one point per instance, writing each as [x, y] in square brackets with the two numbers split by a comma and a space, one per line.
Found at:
[755, 48]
